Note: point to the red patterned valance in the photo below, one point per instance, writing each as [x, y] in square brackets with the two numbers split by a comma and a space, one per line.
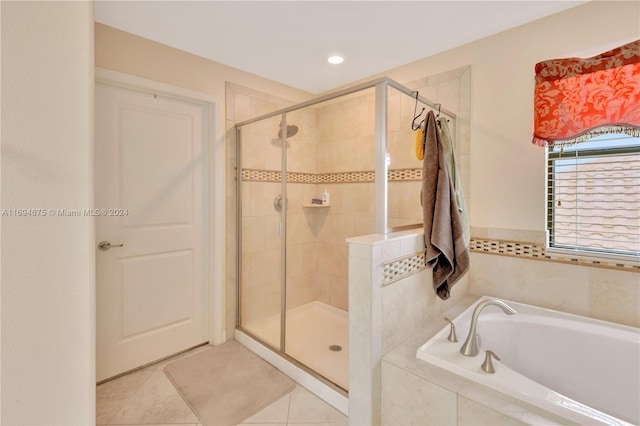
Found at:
[575, 96]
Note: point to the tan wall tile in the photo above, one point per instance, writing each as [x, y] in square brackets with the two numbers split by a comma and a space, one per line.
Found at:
[402, 147]
[410, 207]
[302, 259]
[355, 199]
[615, 296]
[301, 289]
[323, 288]
[339, 288]
[332, 259]
[253, 233]
[259, 303]
[241, 107]
[394, 122]
[364, 225]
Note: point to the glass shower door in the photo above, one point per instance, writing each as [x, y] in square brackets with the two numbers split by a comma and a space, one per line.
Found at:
[260, 232]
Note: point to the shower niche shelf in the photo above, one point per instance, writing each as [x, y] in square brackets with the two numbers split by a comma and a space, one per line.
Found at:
[316, 206]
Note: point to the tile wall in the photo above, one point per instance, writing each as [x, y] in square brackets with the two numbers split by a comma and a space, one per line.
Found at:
[453, 90]
[604, 290]
[597, 292]
[334, 144]
[416, 392]
[261, 242]
[346, 143]
[384, 312]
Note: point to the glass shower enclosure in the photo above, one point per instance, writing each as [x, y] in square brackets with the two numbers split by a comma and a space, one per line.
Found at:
[355, 145]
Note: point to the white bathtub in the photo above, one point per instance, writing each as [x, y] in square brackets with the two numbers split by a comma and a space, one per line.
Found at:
[581, 369]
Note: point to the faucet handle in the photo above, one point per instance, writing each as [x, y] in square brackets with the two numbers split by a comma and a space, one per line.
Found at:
[487, 365]
[452, 333]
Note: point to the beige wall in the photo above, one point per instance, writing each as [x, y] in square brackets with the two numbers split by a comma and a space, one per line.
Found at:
[46, 158]
[507, 171]
[48, 278]
[124, 52]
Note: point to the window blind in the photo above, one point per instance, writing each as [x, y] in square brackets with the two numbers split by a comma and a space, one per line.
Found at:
[593, 196]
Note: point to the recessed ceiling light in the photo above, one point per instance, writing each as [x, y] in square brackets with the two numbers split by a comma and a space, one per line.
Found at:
[335, 60]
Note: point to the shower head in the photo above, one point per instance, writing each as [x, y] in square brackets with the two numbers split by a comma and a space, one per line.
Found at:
[292, 129]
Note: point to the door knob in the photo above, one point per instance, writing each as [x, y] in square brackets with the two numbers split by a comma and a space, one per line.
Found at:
[106, 245]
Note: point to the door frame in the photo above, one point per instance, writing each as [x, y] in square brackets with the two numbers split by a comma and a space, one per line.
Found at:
[213, 183]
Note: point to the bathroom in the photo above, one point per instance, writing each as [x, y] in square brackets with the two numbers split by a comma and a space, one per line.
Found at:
[499, 163]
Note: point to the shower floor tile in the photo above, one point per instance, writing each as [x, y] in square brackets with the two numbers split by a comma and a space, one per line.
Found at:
[311, 330]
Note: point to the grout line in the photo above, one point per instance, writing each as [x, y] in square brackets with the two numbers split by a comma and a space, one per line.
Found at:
[124, 404]
[289, 403]
[152, 367]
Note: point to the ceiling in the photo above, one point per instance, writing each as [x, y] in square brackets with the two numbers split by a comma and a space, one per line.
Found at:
[290, 41]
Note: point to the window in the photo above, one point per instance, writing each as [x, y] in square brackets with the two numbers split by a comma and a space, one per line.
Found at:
[593, 198]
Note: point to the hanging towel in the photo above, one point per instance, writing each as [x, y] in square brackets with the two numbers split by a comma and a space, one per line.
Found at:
[450, 155]
[420, 144]
[446, 250]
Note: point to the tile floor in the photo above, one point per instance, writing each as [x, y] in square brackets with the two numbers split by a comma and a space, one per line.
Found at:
[147, 397]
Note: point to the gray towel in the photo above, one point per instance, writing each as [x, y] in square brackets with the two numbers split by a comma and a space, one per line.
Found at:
[443, 229]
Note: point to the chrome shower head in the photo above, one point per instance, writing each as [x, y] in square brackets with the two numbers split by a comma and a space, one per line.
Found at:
[292, 129]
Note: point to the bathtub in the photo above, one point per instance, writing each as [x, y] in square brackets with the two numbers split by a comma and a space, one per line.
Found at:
[583, 370]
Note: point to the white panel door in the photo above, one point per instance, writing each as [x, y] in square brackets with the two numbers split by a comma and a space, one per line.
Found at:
[152, 292]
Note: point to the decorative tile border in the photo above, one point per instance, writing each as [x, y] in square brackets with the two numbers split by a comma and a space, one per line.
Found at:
[397, 269]
[537, 252]
[402, 267]
[276, 176]
[520, 249]
[405, 174]
[347, 177]
[255, 175]
[261, 175]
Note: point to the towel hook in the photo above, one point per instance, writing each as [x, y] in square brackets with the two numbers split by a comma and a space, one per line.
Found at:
[416, 116]
[439, 105]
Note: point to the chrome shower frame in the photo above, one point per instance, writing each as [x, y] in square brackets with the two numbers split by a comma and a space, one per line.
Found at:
[381, 86]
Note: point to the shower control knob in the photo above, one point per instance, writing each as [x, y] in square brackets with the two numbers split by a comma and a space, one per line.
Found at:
[277, 202]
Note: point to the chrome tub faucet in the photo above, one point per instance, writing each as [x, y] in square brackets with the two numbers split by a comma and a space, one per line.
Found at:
[470, 346]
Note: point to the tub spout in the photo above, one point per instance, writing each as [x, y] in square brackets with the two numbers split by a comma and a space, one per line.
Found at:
[470, 346]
